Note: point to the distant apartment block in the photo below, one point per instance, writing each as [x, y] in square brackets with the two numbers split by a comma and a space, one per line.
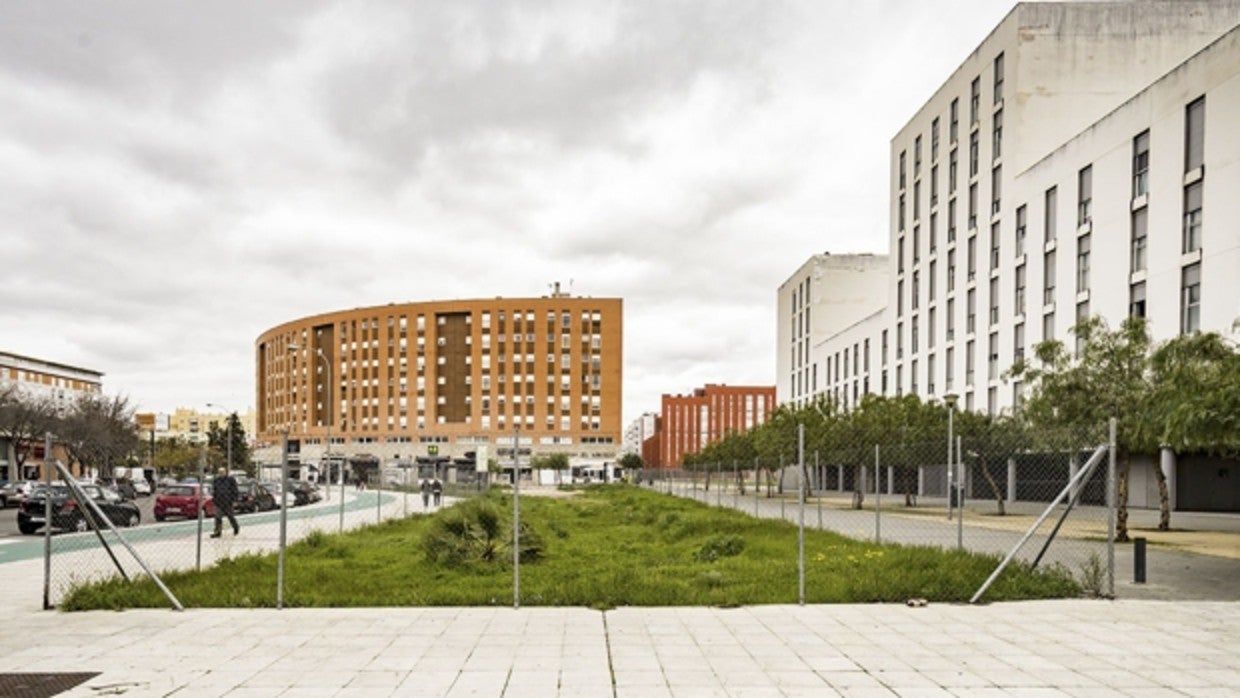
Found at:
[456, 379]
[638, 431]
[39, 379]
[687, 423]
[190, 424]
[828, 294]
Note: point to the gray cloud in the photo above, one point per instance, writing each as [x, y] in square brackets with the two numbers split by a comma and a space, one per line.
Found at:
[181, 176]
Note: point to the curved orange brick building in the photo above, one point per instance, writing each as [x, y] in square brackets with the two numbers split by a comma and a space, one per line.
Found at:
[444, 378]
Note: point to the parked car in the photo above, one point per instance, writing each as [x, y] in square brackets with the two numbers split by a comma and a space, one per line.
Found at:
[307, 492]
[67, 512]
[181, 501]
[14, 492]
[142, 488]
[252, 496]
[289, 498]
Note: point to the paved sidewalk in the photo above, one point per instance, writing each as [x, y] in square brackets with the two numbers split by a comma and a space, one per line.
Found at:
[1051, 648]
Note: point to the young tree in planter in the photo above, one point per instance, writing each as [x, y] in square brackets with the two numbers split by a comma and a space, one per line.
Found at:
[552, 461]
[988, 441]
[1109, 379]
[1194, 403]
[776, 442]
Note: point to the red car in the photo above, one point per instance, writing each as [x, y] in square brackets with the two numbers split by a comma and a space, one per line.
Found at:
[182, 501]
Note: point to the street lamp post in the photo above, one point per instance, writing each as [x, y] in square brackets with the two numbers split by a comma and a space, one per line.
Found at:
[327, 449]
[950, 400]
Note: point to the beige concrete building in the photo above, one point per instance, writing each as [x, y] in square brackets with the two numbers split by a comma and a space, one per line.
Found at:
[1080, 162]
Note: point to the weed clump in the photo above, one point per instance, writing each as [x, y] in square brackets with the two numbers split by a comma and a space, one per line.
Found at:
[476, 532]
[720, 546]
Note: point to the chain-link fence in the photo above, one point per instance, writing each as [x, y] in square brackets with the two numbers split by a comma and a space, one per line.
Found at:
[95, 534]
[1040, 495]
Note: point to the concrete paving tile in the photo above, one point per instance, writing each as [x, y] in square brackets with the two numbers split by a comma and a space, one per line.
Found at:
[637, 692]
[640, 678]
[376, 679]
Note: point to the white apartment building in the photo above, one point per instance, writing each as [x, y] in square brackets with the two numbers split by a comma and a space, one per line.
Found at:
[827, 294]
[1080, 162]
[638, 431]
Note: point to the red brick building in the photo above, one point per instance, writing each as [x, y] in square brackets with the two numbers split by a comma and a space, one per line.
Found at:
[687, 423]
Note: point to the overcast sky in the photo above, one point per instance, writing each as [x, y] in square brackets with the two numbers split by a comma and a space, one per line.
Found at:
[178, 177]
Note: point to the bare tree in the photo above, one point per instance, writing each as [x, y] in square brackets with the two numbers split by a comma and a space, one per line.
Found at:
[24, 419]
[98, 431]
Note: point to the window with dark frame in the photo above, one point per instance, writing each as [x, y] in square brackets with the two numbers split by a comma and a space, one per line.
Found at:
[1140, 225]
[1084, 195]
[1194, 134]
[1141, 164]
[1192, 217]
[1190, 299]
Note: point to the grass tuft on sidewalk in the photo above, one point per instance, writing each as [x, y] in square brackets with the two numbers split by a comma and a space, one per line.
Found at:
[609, 546]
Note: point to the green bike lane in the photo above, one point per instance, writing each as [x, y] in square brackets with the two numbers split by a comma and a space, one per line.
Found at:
[325, 513]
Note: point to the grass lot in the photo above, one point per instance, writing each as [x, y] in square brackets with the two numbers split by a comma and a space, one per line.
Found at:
[609, 546]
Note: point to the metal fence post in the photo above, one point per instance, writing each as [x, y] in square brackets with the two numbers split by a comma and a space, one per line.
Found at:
[878, 498]
[47, 526]
[283, 523]
[801, 509]
[516, 520]
[1111, 509]
[959, 495]
[202, 483]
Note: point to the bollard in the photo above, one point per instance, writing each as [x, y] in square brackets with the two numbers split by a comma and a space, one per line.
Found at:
[1138, 560]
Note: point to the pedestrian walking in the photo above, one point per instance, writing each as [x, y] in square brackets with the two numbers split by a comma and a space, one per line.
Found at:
[224, 493]
[437, 491]
[426, 493]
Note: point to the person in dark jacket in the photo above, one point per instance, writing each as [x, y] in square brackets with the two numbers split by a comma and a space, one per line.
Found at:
[426, 493]
[224, 492]
[437, 491]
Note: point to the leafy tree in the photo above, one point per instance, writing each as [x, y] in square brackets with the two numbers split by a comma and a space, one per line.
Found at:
[177, 457]
[218, 443]
[1110, 379]
[631, 462]
[551, 461]
[988, 441]
[24, 419]
[1195, 397]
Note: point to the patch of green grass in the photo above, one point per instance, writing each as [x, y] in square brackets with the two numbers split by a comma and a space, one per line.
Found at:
[610, 546]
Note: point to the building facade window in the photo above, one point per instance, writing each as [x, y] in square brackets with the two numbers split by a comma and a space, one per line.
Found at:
[996, 136]
[973, 154]
[996, 190]
[998, 78]
[1141, 164]
[1084, 195]
[1082, 263]
[1018, 297]
[1194, 134]
[1021, 231]
[975, 100]
[994, 300]
[1048, 278]
[1140, 240]
[954, 124]
[934, 140]
[1190, 298]
[973, 206]
[1192, 217]
[1082, 314]
[1049, 206]
[1136, 300]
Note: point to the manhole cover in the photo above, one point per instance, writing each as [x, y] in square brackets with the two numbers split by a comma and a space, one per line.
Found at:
[41, 685]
